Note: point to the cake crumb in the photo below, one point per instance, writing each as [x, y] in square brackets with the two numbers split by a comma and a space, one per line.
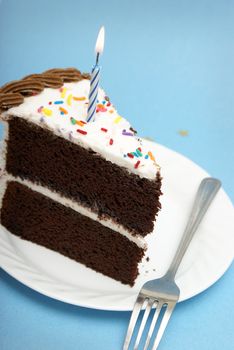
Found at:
[147, 259]
[183, 133]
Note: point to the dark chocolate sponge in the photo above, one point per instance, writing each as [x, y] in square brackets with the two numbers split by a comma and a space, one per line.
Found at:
[40, 156]
[37, 218]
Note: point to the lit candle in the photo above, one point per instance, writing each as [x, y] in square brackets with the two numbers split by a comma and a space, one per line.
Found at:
[95, 76]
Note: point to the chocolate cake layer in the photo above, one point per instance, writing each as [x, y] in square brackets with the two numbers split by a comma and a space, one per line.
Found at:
[39, 155]
[37, 218]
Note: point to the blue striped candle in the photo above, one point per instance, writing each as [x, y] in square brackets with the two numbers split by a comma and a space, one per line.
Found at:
[95, 77]
[93, 92]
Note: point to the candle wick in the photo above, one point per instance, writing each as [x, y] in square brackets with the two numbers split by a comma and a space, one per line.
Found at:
[97, 58]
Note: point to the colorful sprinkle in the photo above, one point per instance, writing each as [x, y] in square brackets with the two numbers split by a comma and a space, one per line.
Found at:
[151, 156]
[138, 152]
[111, 141]
[80, 122]
[104, 129]
[126, 133]
[135, 154]
[82, 98]
[130, 155]
[146, 157]
[40, 109]
[73, 121]
[117, 120]
[133, 130]
[111, 111]
[100, 108]
[50, 103]
[81, 131]
[63, 110]
[63, 92]
[137, 164]
[58, 102]
[69, 99]
[47, 112]
[108, 104]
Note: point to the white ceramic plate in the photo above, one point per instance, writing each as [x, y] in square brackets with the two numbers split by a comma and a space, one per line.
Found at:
[208, 257]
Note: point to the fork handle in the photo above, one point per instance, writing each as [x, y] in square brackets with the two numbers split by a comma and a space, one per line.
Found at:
[205, 194]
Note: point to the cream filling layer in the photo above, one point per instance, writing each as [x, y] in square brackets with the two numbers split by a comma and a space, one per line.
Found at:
[138, 240]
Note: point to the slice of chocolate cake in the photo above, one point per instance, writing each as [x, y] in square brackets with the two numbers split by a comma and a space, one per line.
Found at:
[87, 190]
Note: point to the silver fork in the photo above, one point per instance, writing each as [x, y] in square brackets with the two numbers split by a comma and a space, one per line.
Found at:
[164, 291]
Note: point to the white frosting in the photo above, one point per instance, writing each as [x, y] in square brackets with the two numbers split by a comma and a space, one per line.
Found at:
[4, 178]
[43, 110]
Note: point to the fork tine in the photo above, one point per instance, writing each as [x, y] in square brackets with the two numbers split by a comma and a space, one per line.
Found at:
[135, 313]
[143, 322]
[153, 323]
[166, 318]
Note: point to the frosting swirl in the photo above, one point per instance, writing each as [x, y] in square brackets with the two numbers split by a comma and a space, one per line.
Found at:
[10, 100]
[35, 83]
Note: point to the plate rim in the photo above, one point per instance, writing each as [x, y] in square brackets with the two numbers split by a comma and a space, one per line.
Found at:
[101, 308]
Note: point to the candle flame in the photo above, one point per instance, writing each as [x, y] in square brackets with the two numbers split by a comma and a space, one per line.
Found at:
[100, 41]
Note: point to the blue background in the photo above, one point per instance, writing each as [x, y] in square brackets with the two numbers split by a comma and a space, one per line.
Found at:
[168, 66]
